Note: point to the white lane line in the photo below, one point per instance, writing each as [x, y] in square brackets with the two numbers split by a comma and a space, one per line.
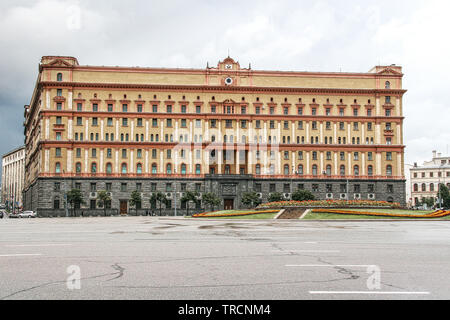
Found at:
[330, 266]
[21, 255]
[287, 250]
[371, 292]
[37, 245]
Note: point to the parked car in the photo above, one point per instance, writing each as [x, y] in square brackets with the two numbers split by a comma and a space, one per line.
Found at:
[27, 214]
[2, 214]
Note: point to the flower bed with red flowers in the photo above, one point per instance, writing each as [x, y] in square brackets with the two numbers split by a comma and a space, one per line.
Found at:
[220, 214]
[436, 214]
[331, 204]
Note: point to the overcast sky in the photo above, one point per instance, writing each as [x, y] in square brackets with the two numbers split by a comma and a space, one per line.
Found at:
[349, 36]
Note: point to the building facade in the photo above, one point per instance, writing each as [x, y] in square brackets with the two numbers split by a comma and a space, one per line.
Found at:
[425, 179]
[222, 129]
[13, 176]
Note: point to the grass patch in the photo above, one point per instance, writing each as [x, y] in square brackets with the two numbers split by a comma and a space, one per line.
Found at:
[234, 214]
[261, 216]
[335, 216]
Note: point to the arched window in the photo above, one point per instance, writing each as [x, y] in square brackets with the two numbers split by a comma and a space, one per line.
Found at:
[356, 170]
[389, 170]
[169, 168]
[416, 187]
[124, 168]
[198, 169]
[258, 169]
[431, 186]
[78, 167]
[328, 170]
[59, 77]
[390, 199]
[183, 168]
[300, 169]
[108, 168]
[342, 170]
[424, 187]
[93, 167]
[286, 169]
[139, 168]
[57, 167]
[154, 168]
[314, 170]
[370, 170]
[387, 85]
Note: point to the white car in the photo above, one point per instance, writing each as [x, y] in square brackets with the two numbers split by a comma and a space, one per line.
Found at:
[27, 214]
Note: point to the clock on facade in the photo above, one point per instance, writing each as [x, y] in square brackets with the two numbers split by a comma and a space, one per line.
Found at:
[228, 81]
[228, 66]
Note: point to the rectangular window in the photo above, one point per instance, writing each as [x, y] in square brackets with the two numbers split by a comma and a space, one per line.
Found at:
[154, 108]
[139, 108]
[124, 108]
[125, 122]
[169, 123]
[59, 106]
[139, 122]
[154, 123]
[198, 109]
[300, 111]
[95, 107]
[110, 107]
[258, 110]
[95, 121]
[183, 109]
[258, 124]
[169, 109]
[79, 107]
[123, 187]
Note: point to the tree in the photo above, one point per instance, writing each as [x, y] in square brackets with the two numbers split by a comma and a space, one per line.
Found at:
[250, 199]
[211, 199]
[302, 195]
[190, 196]
[102, 199]
[74, 197]
[275, 197]
[161, 198]
[135, 199]
[444, 195]
[429, 202]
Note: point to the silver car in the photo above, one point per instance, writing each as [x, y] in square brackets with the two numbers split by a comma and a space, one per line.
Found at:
[27, 214]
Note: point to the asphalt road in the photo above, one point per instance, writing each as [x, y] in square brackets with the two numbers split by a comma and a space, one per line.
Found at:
[178, 258]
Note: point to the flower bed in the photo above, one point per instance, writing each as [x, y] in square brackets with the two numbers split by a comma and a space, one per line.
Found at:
[436, 214]
[331, 204]
[219, 214]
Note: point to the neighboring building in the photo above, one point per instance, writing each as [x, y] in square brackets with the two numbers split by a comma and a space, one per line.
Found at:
[425, 179]
[222, 129]
[13, 169]
[408, 198]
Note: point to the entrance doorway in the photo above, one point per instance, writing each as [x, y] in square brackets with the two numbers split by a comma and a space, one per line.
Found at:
[123, 207]
[229, 204]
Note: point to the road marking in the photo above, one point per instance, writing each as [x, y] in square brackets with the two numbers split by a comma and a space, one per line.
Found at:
[287, 250]
[21, 255]
[330, 266]
[370, 292]
[37, 245]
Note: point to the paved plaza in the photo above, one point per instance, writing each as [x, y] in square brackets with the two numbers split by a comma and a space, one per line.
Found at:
[179, 258]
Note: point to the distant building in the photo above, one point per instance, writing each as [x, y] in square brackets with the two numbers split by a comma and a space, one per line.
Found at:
[409, 202]
[425, 179]
[13, 168]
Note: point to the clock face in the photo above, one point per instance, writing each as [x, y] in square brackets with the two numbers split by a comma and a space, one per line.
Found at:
[228, 81]
[228, 66]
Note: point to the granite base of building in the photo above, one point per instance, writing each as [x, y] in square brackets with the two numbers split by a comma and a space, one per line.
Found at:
[46, 195]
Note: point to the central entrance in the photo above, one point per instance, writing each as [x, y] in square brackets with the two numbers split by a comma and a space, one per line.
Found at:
[123, 207]
[228, 204]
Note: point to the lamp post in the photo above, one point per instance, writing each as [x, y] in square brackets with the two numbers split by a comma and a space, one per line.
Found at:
[175, 195]
[66, 209]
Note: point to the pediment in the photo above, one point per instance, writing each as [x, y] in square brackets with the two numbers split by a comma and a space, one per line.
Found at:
[389, 71]
[59, 63]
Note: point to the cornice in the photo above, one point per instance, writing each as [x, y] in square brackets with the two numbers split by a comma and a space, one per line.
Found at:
[231, 89]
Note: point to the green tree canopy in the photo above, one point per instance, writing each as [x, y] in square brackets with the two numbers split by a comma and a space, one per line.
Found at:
[275, 197]
[190, 196]
[211, 199]
[250, 199]
[102, 199]
[302, 195]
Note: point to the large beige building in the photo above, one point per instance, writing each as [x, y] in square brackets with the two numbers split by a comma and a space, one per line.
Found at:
[425, 179]
[224, 129]
[13, 170]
